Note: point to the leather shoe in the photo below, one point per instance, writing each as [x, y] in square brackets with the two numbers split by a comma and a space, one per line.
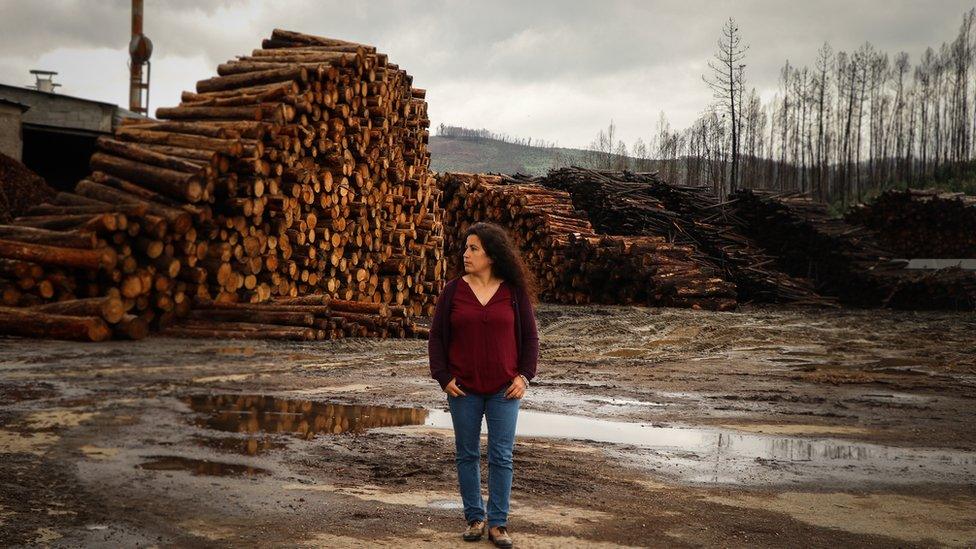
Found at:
[499, 536]
[476, 529]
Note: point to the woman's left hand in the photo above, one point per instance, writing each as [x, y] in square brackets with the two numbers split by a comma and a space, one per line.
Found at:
[516, 389]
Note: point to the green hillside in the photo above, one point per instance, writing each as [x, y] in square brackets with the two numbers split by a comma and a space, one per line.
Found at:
[482, 155]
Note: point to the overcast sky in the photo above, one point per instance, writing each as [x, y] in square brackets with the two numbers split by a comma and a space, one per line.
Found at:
[555, 70]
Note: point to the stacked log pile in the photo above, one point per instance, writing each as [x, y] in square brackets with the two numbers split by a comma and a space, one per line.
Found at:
[300, 170]
[570, 261]
[921, 223]
[338, 200]
[845, 260]
[304, 318]
[131, 231]
[625, 203]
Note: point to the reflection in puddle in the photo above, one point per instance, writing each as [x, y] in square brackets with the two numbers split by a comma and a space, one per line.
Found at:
[302, 418]
[246, 446]
[557, 398]
[722, 455]
[200, 466]
[709, 454]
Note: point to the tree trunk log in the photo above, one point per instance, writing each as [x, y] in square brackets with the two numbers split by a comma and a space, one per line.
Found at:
[29, 323]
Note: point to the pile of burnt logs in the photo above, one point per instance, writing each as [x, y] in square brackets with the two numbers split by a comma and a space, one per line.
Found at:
[300, 170]
[570, 261]
[921, 223]
[845, 260]
[625, 203]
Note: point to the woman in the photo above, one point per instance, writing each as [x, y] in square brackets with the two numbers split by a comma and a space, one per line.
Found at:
[483, 349]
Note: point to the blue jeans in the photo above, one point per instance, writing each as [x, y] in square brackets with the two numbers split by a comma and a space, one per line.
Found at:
[501, 413]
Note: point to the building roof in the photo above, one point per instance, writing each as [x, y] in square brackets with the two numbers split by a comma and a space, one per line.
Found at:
[52, 95]
[64, 113]
[21, 106]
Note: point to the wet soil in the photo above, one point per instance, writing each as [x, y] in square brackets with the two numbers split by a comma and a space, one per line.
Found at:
[645, 427]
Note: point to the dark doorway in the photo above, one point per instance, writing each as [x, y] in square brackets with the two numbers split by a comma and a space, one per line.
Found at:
[59, 156]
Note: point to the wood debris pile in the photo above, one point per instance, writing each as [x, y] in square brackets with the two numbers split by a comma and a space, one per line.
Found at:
[630, 204]
[846, 260]
[921, 223]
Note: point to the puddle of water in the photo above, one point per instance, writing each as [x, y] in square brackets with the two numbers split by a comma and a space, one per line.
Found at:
[301, 418]
[569, 400]
[251, 446]
[724, 455]
[798, 429]
[710, 454]
[445, 504]
[623, 401]
[200, 467]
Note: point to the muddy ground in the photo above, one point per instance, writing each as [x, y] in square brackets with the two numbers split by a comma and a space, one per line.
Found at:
[646, 427]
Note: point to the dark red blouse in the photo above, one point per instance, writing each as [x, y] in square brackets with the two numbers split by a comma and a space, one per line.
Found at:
[483, 355]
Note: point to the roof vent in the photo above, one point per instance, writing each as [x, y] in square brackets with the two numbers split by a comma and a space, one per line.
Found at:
[45, 81]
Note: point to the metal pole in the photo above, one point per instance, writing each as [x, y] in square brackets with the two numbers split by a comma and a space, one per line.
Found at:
[135, 65]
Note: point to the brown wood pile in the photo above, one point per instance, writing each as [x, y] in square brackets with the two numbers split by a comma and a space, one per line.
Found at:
[304, 318]
[572, 263]
[20, 189]
[72, 269]
[921, 223]
[942, 289]
[626, 203]
[845, 260]
[301, 169]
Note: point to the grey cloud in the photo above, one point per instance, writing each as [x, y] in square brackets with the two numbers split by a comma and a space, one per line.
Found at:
[606, 48]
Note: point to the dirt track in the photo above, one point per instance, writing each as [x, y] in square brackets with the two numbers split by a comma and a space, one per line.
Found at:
[776, 427]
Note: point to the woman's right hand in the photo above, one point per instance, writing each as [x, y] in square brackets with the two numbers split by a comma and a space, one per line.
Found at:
[453, 390]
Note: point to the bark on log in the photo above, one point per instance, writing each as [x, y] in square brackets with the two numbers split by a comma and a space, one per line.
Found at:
[29, 323]
[109, 308]
[138, 153]
[219, 83]
[68, 239]
[131, 327]
[231, 147]
[100, 258]
[168, 182]
[179, 220]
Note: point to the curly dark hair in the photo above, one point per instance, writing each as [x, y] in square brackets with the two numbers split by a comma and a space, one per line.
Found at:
[506, 260]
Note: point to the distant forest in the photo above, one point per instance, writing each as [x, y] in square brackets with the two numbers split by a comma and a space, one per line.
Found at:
[852, 125]
[460, 132]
